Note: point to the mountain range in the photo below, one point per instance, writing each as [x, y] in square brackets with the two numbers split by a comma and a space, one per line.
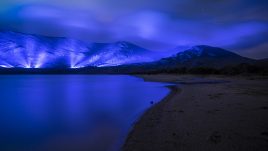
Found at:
[34, 51]
[19, 50]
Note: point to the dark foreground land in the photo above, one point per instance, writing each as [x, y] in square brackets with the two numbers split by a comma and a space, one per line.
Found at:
[205, 114]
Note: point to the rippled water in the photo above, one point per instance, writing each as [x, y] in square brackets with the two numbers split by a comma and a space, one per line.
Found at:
[71, 112]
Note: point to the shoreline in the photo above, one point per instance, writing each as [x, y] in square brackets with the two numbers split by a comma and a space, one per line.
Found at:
[174, 89]
[202, 115]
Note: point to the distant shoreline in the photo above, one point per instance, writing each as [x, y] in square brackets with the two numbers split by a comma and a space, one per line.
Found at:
[140, 70]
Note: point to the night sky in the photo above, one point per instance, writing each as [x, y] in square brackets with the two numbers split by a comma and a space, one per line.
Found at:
[159, 25]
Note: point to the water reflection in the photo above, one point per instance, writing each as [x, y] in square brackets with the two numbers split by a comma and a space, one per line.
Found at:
[73, 112]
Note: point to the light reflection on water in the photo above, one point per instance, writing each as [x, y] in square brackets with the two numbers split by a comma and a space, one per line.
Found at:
[71, 112]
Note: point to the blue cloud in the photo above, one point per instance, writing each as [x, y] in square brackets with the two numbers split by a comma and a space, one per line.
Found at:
[157, 25]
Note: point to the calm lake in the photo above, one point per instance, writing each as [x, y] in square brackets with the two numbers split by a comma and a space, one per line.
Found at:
[71, 112]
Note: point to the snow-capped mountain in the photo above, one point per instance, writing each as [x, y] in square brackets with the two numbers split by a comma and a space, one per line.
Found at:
[117, 54]
[204, 56]
[33, 51]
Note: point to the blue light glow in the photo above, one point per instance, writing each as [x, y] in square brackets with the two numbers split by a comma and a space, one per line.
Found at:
[31, 51]
[40, 60]
[75, 59]
[6, 66]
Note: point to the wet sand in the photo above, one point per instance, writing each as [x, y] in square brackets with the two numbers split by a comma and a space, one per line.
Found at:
[205, 114]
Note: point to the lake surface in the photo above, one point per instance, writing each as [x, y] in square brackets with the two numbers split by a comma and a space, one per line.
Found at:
[71, 112]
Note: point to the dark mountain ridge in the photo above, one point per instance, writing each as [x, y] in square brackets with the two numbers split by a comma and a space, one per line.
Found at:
[204, 56]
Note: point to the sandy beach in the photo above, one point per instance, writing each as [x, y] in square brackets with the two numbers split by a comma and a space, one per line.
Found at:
[205, 114]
